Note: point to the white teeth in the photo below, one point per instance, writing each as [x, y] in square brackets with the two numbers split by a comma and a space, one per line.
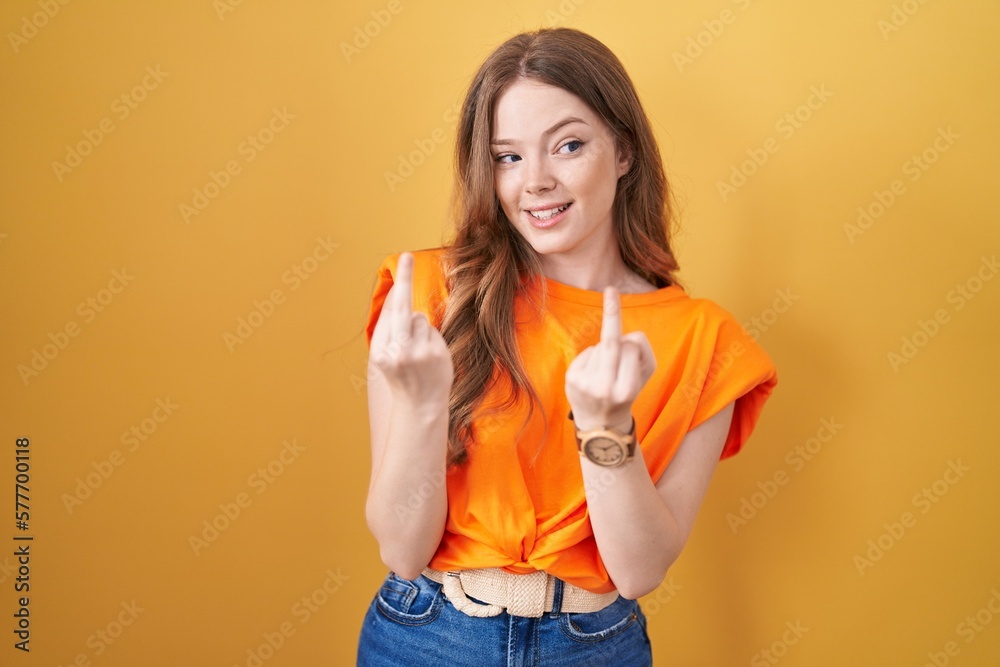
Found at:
[548, 213]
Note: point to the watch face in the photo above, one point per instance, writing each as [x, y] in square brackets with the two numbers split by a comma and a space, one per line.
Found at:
[604, 451]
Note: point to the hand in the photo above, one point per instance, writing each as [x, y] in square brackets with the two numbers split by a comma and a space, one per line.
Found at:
[409, 352]
[603, 381]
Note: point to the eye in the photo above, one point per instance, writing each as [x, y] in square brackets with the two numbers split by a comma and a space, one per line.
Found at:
[573, 146]
[502, 159]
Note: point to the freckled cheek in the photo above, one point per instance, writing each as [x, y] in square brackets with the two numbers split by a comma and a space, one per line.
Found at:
[506, 192]
[581, 175]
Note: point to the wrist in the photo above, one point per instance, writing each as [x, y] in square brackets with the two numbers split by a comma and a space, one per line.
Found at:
[609, 445]
[620, 422]
[425, 410]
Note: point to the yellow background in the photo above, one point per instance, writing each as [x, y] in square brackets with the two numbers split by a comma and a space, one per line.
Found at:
[345, 119]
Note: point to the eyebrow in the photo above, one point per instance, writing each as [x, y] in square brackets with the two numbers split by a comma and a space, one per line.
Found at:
[563, 122]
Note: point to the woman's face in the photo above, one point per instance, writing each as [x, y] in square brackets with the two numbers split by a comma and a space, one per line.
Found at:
[555, 172]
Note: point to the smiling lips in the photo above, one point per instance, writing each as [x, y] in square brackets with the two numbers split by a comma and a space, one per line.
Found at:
[548, 215]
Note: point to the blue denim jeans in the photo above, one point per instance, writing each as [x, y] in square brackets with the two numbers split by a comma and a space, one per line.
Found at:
[413, 624]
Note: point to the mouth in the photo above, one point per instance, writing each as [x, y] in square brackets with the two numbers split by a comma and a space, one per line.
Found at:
[547, 217]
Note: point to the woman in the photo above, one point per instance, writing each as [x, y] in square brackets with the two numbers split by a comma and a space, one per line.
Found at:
[547, 404]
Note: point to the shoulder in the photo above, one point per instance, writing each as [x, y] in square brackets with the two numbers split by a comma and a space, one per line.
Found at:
[711, 313]
[716, 325]
[727, 351]
[426, 262]
[700, 332]
[679, 311]
[429, 285]
[428, 272]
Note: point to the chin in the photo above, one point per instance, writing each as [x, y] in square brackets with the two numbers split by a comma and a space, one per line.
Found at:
[544, 247]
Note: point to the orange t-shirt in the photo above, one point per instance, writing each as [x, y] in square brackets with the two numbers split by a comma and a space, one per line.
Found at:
[518, 502]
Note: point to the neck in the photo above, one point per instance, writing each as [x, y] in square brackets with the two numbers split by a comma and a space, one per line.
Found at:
[608, 270]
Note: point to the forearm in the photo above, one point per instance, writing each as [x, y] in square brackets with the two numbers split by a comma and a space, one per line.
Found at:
[407, 502]
[637, 535]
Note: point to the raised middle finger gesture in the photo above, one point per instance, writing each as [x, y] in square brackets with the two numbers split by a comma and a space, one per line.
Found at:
[406, 349]
[603, 380]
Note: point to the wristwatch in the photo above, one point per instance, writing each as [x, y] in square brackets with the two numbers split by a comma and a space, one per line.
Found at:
[604, 446]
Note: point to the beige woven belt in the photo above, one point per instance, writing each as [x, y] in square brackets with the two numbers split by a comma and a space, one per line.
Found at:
[529, 595]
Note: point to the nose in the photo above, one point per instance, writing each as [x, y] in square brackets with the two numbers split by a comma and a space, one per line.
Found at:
[538, 176]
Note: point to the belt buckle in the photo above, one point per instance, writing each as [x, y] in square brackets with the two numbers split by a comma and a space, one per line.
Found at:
[526, 594]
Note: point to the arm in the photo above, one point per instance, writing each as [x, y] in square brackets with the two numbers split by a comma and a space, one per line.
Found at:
[409, 381]
[640, 528]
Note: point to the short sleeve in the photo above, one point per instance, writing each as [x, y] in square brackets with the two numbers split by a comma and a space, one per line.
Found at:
[741, 371]
[428, 287]
[383, 283]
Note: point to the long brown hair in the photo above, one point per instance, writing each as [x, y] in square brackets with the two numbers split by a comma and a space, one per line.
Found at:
[488, 262]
